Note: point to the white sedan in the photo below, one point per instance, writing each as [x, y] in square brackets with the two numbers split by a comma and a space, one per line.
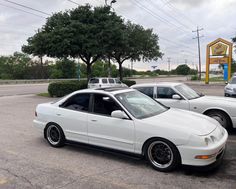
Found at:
[178, 95]
[127, 120]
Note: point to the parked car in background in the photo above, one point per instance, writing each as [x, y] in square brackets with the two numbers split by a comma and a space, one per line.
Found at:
[104, 82]
[230, 88]
[178, 95]
[127, 120]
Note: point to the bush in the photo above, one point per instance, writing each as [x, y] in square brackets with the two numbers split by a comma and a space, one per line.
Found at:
[62, 88]
[194, 77]
[129, 82]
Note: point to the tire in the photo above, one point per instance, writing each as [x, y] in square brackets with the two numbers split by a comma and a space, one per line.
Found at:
[55, 135]
[221, 117]
[162, 155]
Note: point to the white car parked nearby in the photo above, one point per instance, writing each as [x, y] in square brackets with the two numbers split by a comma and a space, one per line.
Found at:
[127, 120]
[104, 82]
[178, 95]
[230, 88]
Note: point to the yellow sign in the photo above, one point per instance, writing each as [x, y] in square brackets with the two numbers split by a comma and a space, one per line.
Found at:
[219, 60]
[222, 49]
[219, 49]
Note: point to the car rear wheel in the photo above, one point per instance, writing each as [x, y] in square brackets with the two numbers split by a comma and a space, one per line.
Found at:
[221, 117]
[162, 155]
[55, 135]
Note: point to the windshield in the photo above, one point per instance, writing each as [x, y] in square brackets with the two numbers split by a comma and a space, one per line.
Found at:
[232, 80]
[140, 105]
[187, 92]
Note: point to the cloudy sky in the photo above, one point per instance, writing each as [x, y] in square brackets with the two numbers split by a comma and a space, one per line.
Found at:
[172, 20]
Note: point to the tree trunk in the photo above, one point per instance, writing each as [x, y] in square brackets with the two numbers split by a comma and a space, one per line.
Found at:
[120, 71]
[109, 66]
[88, 71]
[41, 67]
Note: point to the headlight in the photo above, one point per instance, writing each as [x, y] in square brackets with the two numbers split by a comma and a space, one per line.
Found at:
[210, 140]
[229, 89]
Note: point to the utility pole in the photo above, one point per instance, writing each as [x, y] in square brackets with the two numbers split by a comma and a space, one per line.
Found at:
[199, 50]
[168, 59]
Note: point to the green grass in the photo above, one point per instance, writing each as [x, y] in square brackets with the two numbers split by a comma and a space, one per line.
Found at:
[214, 79]
[44, 94]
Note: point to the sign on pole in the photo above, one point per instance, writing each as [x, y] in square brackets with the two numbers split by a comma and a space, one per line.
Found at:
[219, 52]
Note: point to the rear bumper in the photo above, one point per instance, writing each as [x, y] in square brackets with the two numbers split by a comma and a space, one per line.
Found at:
[39, 125]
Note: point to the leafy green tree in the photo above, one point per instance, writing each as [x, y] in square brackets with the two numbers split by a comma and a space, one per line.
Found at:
[183, 69]
[84, 33]
[135, 43]
[64, 69]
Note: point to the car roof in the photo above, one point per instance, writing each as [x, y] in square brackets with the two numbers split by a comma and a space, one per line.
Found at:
[107, 90]
[103, 78]
[172, 84]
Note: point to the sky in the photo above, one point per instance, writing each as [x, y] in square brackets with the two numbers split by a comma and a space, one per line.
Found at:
[172, 20]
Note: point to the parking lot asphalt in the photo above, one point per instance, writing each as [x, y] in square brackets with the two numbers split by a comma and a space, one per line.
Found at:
[27, 161]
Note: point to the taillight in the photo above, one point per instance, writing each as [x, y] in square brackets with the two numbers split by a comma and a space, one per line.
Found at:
[35, 113]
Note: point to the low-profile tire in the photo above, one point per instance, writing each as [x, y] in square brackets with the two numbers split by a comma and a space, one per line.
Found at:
[162, 155]
[55, 135]
[221, 117]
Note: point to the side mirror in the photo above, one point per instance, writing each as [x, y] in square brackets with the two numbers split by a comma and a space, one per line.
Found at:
[226, 82]
[119, 114]
[107, 99]
[176, 97]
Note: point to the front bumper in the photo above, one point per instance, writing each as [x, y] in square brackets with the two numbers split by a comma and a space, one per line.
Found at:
[188, 153]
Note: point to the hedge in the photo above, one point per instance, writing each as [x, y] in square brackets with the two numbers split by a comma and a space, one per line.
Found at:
[62, 88]
[129, 82]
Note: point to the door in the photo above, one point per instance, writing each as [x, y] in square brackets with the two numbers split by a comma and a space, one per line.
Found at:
[72, 117]
[164, 96]
[107, 131]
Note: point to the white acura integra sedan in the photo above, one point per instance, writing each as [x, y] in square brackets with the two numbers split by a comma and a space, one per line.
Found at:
[129, 121]
[179, 95]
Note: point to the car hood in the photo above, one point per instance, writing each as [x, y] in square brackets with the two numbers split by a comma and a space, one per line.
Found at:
[231, 85]
[187, 121]
[217, 100]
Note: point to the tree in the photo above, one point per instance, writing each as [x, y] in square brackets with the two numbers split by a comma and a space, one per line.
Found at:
[64, 68]
[183, 69]
[83, 33]
[135, 43]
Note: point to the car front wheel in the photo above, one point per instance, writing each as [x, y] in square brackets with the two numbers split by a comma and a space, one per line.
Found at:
[221, 117]
[162, 155]
[55, 135]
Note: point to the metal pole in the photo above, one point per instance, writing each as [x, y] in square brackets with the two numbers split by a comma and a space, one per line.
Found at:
[199, 51]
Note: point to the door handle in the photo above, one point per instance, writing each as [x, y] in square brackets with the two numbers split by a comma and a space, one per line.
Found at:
[58, 114]
[94, 120]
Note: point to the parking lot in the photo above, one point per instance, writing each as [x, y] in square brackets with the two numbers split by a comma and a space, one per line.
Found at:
[27, 161]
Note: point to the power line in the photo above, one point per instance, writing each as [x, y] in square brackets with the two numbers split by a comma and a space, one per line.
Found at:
[27, 7]
[169, 15]
[74, 2]
[22, 10]
[158, 17]
[176, 10]
[199, 51]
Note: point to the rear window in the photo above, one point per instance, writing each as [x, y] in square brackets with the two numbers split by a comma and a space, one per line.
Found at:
[118, 81]
[104, 80]
[94, 80]
[111, 80]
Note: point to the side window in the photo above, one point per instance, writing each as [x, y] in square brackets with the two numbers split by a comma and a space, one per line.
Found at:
[104, 80]
[94, 80]
[111, 80]
[146, 90]
[79, 102]
[165, 92]
[104, 105]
